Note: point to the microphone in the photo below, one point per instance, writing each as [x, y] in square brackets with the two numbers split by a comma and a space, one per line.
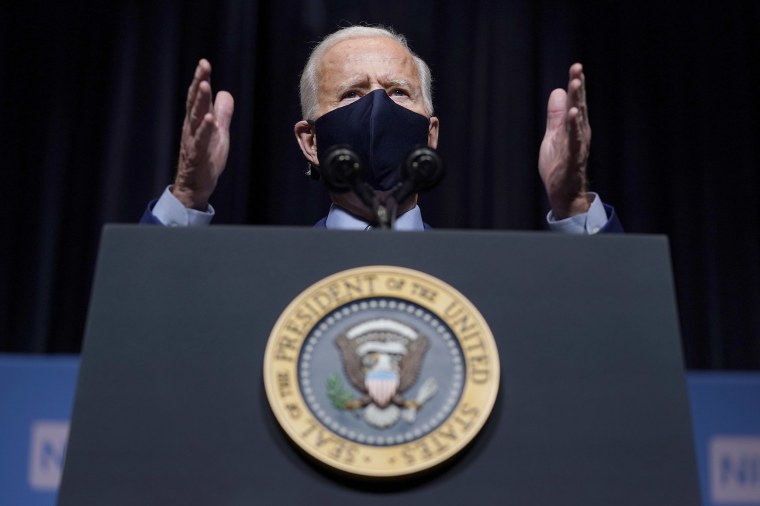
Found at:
[341, 170]
[421, 170]
[341, 167]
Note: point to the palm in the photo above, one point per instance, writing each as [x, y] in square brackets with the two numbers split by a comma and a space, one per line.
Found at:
[565, 148]
[205, 140]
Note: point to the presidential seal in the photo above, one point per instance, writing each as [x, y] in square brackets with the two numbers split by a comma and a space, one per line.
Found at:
[381, 371]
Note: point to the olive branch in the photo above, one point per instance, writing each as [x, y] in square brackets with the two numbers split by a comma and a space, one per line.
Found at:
[337, 393]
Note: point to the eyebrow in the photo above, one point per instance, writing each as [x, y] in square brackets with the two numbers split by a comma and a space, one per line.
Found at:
[401, 83]
[351, 83]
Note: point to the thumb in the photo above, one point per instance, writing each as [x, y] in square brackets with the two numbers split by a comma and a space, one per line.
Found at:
[224, 106]
[556, 109]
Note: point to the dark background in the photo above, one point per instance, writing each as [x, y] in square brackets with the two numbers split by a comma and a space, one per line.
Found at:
[93, 94]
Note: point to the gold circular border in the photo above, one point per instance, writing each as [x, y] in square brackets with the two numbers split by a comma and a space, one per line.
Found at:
[448, 438]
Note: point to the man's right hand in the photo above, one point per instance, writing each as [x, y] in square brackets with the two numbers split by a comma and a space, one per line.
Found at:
[205, 140]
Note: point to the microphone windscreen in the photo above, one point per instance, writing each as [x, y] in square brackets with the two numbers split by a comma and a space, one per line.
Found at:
[341, 168]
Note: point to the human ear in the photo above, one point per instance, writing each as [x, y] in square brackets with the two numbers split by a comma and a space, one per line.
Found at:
[433, 133]
[307, 140]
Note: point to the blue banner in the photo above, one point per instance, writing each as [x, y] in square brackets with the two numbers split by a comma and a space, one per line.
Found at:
[37, 392]
[36, 396]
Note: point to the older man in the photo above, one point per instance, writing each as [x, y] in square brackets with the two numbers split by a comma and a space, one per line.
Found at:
[363, 86]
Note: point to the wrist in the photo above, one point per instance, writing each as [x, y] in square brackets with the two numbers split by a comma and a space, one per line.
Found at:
[568, 207]
[190, 197]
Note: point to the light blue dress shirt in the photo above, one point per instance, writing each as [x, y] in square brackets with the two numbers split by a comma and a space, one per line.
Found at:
[170, 211]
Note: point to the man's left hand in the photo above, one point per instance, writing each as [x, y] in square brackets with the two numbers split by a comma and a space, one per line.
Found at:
[564, 151]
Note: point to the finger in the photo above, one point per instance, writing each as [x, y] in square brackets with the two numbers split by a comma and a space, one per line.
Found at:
[577, 90]
[224, 106]
[556, 109]
[203, 135]
[575, 73]
[574, 94]
[201, 106]
[584, 106]
[583, 94]
[576, 70]
[578, 135]
[202, 73]
[574, 130]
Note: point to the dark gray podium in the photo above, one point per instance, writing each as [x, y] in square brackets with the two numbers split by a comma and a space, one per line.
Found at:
[170, 406]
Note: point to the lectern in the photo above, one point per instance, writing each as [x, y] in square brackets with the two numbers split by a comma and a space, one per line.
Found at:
[171, 407]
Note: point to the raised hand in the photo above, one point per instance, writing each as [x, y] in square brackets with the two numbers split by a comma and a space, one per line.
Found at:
[205, 140]
[565, 148]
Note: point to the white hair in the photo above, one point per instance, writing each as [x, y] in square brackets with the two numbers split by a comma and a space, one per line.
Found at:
[309, 76]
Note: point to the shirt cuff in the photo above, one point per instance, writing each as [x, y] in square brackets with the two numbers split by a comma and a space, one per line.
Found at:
[587, 223]
[171, 213]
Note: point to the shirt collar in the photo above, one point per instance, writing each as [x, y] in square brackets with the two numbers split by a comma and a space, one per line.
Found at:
[340, 219]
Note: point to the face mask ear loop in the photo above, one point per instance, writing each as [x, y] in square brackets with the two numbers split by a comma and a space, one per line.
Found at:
[312, 172]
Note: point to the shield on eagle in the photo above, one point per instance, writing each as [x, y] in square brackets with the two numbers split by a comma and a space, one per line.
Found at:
[382, 386]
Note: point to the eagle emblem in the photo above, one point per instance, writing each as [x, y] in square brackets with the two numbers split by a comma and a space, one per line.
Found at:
[382, 360]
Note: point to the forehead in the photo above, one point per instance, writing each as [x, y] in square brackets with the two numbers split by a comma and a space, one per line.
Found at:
[366, 56]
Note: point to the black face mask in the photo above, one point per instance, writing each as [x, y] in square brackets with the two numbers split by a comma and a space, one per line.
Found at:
[379, 130]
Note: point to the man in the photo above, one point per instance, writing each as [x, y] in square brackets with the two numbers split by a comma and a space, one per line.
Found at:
[363, 86]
